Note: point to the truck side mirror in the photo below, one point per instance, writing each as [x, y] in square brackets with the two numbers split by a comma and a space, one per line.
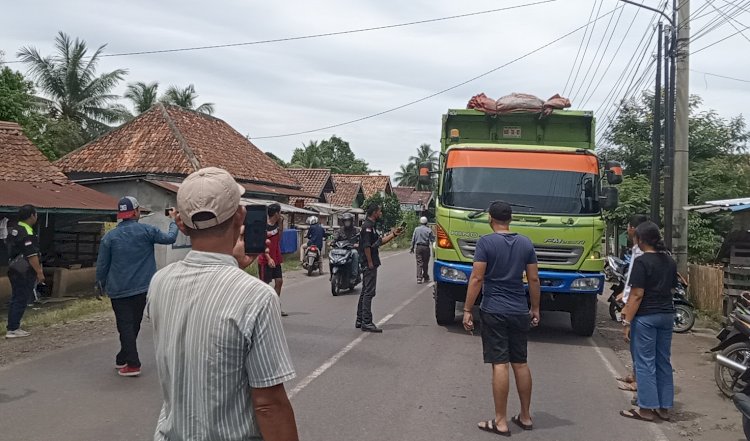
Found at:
[614, 173]
[424, 173]
[610, 198]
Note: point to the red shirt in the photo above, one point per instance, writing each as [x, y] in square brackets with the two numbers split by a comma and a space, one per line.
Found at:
[273, 234]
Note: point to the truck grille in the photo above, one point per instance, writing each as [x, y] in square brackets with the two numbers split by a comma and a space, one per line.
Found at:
[545, 254]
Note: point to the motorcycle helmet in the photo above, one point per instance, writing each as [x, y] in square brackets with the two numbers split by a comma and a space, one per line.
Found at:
[347, 220]
[312, 220]
[423, 220]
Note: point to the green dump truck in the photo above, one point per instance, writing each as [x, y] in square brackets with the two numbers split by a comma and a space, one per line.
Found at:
[545, 166]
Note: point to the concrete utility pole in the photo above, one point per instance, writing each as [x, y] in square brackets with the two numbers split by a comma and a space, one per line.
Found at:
[682, 113]
[656, 136]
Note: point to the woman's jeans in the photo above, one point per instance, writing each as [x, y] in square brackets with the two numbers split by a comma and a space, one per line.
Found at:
[651, 347]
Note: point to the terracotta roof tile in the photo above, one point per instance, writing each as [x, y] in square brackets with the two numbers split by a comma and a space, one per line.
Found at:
[313, 180]
[173, 140]
[409, 195]
[20, 160]
[345, 195]
[371, 184]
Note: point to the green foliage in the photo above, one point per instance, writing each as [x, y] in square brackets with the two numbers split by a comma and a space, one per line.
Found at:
[634, 199]
[333, 153]
[719, 167]
[277, 160]
[391, 209]
[16, 96]
[408, 174]
[143, 96]
[412, 222]
[72, 88]
[186, 98]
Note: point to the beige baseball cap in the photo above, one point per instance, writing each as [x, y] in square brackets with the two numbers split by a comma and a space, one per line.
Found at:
[209, 190]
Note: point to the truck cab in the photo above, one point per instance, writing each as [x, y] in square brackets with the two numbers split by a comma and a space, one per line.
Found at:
[546, 168]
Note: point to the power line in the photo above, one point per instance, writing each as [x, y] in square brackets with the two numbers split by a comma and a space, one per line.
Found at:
[720, 19]
[729, 19]
[448, 89]
[719, 41]
[720, 76]
[580, 46]
[325, 34]
[585, 50]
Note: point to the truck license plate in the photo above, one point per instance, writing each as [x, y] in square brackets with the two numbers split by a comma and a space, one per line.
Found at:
[511, 132]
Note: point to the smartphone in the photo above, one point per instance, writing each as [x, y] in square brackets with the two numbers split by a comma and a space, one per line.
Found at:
[255, 229]
[403, 224]
[167, 210]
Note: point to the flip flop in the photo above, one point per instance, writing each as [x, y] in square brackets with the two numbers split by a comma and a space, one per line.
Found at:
[629, 387]
[634, 414]
[517, 421]
[626, 379]
[663, 416]
[491, 426]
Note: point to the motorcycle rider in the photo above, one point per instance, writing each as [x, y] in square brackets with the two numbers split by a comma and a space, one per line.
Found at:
[348, 233]
[315, 235]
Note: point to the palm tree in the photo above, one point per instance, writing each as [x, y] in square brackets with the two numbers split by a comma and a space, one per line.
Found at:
[425, 154]
[407, 175]
[307, 157]
[71, 86]
[142, 95]
[186, 98]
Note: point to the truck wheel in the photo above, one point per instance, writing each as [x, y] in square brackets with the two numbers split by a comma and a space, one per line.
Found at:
[583, 316]
[445, 306]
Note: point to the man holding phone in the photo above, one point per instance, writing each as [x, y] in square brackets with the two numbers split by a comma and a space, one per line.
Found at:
[500, 261]
[369, 248]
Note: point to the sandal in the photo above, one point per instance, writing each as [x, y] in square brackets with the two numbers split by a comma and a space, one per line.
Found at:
[517, 421]
[634, 414]
[491, 426]
[628, 387]
[663, 414]
[626, 379]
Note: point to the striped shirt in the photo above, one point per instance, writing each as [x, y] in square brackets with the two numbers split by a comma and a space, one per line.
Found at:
[218, 335]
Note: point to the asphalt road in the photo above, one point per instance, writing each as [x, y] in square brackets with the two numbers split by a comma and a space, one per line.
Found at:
[416, 381]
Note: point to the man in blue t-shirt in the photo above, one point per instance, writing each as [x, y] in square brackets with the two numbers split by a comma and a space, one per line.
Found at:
[507, 312]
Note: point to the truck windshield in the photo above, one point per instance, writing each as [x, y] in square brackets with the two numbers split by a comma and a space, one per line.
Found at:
[569, 189]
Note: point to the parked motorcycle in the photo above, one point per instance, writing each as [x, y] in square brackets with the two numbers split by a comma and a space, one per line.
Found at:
[741, 398]
[734, 344]
[619, 270]
[311, 261]
[684, 316]
[340, 262]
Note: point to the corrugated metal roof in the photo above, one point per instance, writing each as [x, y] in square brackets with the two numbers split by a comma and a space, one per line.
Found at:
[253, 188]
[733, 205]
[48, 195]
[285, 208]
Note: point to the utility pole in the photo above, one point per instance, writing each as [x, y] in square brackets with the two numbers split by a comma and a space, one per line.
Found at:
[668, 133]
[682, 113]
[656, 136]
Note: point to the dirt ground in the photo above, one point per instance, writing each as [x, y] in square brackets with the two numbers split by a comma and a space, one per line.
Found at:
[702, 413]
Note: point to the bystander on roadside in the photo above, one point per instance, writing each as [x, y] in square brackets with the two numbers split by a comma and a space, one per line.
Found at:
[24, 268]
[421, 241]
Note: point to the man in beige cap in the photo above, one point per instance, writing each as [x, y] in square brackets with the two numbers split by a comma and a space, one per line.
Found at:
[221, 353]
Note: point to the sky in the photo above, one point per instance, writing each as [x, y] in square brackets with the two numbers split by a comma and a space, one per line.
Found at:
[287, 87]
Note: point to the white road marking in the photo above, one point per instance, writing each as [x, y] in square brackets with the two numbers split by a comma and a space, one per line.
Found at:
[654, 429]
[334, 359]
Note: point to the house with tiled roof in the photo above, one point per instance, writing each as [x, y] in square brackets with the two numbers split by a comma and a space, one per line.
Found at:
[412, 199]
[348, 194]
[28, 177]
[167, 143]
[371, 184]
[315, 181]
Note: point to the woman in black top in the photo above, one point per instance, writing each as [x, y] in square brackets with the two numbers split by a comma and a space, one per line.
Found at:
[648, 318]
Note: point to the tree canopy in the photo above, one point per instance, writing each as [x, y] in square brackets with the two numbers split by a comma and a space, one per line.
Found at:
[333, 153]
[408, 174]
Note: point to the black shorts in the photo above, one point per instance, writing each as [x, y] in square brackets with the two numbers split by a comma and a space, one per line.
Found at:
[505, 337]
[268, 274]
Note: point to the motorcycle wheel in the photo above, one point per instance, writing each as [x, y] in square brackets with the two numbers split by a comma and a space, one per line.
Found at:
[309, 270]
[726, 379]
[613, 310]
[336, 284]
[684, 318]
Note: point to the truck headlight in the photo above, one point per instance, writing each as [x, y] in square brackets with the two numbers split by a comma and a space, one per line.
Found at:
[586, 283]
[453, 274]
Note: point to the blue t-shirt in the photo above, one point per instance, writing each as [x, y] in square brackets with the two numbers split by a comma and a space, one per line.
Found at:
[316, 234]
[506, 256]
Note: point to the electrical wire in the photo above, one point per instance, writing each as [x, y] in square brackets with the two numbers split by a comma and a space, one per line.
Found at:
[448, 89]
[321, 35]
[719, 76]
[585, 50]
[580, 46]
[729, 19]
[719, 41]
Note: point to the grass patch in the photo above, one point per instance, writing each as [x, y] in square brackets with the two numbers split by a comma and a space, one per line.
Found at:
[65, 312]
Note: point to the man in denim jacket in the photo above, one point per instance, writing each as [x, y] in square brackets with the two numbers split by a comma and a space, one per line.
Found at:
[124, 270]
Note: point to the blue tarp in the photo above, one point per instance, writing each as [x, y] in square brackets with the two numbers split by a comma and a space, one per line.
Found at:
[289, 241]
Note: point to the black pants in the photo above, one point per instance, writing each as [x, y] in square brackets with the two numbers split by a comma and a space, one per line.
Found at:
[22, 289]
[129, 313]
[364, 309]
[423, 262]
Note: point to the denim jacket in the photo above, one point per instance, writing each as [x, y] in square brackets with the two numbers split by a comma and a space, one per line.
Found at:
[126, 261]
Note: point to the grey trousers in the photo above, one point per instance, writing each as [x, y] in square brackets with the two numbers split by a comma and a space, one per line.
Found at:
[423, 262]
[364, 309]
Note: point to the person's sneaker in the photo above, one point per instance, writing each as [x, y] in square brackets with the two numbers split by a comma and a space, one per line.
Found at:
[128, 371]
[419, 281]
[120, 366]
[284, 314]
[358, 325]
[371, 328]
[18, 333]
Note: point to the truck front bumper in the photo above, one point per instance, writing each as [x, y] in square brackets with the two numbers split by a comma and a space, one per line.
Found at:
[553, 282]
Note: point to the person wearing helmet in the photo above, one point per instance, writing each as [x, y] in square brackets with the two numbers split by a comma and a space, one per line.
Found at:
[422, 240]
[316, 233]
[348, 232]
